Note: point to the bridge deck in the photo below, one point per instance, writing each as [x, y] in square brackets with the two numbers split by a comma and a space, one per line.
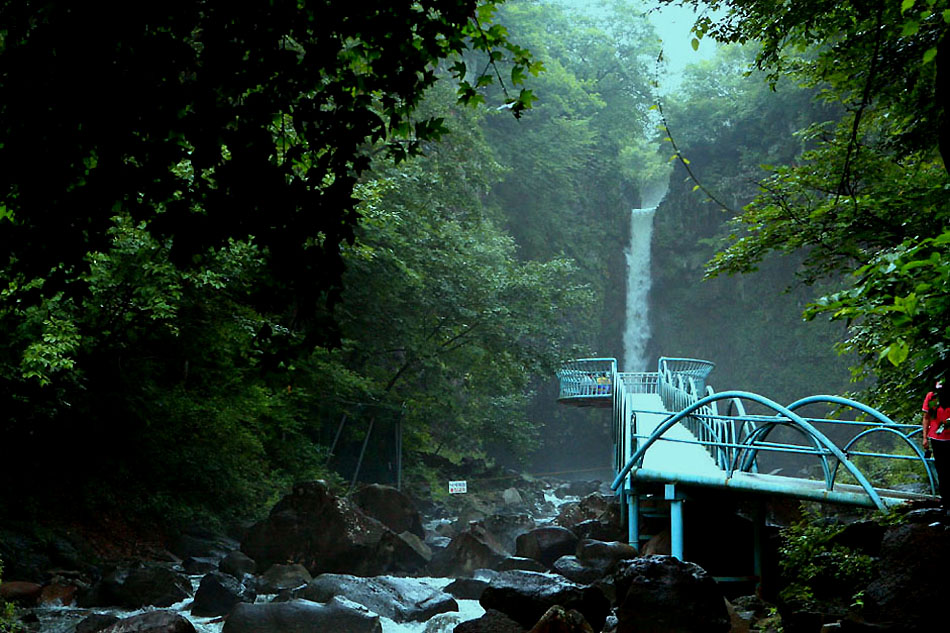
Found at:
[670, 456]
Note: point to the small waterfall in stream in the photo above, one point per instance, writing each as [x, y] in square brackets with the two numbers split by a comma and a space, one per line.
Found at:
[636, 333]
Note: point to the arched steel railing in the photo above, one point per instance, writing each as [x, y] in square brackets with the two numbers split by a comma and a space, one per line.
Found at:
[733, 439]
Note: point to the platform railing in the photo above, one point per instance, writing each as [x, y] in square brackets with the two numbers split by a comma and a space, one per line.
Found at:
[587, 377]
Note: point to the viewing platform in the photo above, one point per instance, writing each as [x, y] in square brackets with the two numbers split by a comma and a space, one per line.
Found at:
[588, 382]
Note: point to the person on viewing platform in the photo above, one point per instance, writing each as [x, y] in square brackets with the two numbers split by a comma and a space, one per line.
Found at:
[588, 385]
[936, 432]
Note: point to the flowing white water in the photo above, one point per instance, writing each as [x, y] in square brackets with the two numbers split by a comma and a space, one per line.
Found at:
[636, 332]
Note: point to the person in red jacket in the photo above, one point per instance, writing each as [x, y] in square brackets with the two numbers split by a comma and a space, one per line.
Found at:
[936, 432]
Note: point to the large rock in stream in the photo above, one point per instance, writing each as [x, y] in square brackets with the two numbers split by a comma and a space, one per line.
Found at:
[301, 616]
[546, 544]
[218, 593]
[660, 594]
[152, 622]
[327, 534]
[390, 507]
[473, 549]
[525, 596]
[399, 599]
[132, 588]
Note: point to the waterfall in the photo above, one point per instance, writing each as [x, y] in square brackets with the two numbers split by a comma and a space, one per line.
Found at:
[636, 333]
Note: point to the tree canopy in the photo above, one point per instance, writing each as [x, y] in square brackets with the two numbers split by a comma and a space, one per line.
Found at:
[868, 199]
[211, 121]
[182, 185]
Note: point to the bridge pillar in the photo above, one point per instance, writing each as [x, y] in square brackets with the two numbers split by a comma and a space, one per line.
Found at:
[633, 518]
[758, 542]
[675, 497]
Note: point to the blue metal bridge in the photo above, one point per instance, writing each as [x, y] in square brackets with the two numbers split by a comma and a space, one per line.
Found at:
[671, 429]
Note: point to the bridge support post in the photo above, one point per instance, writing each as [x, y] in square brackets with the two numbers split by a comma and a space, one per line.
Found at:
[633, 518]
[675, 498]
[758, 542]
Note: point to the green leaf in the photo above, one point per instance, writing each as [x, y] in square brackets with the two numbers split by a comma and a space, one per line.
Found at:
[897, 352]
[695, 44]
[906, 5]
[910, 28]
[930, 54]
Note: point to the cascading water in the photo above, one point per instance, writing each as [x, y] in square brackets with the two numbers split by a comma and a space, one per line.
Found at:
[636, 332]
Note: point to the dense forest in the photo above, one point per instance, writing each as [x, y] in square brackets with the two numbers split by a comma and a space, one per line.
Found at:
[242, 239]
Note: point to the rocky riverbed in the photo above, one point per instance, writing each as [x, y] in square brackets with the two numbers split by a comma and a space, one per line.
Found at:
[538, 556]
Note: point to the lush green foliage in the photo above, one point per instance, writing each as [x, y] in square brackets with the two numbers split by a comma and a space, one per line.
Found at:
[816, 568]
[869, 197]
[177, 205]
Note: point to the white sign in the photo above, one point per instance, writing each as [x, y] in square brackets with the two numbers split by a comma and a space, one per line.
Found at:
[458, 487]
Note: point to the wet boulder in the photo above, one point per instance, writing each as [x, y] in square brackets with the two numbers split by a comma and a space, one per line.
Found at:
[21, 592]
[506, 528]
[492, 622]
[277, 578]
[238, 564]
[575, 571]
[96, 622]
[390, 507]
[137, 587]
[577, 488]
[598, 530]
[511, 497]
[557, 619]
[399, 599]
[218, 593]
[473, 549]
[594, 560]
[915, 558]
[152, 622]
[525, 596]
[59, 593]
[546, 544]
[198, 565]
[321, 531]
[406, 551]
[513, 563]
[658, 594]
[196, 542]
[467, 588]
[605, 510]
[301, 616]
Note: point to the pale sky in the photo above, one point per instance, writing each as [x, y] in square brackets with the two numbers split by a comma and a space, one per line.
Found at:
[672, 24]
